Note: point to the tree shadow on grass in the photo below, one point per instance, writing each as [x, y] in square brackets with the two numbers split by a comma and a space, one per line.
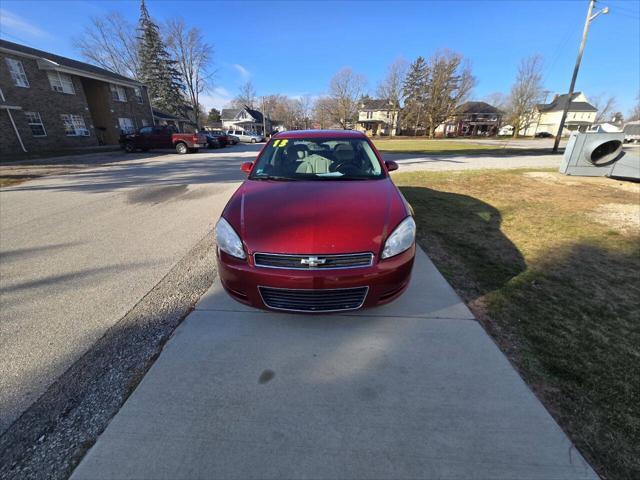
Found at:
[569, 320]
[462, 235]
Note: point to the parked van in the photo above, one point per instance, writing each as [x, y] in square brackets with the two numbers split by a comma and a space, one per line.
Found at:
[247, 137]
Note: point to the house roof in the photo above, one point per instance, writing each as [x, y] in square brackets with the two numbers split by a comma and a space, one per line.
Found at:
[477, 107]
[76, 66]
[559, 103]
[375, 104]
[232, 113]
[167, 116]
[229, 113]
[255, 114]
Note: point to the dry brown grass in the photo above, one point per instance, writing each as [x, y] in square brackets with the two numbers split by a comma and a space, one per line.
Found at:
[551, 266]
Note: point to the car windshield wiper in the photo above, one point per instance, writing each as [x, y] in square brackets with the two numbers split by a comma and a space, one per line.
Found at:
[346, 178]
[273, 177]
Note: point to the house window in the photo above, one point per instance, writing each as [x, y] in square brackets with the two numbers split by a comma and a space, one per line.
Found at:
[126, 125]
[17, 72]
[74, 125]
[118, 93]
[138, 93]
[369, 115]
[61, 82]
[35, 123]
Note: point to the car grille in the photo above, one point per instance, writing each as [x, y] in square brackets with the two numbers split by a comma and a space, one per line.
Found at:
[313, 262]
[334, 300]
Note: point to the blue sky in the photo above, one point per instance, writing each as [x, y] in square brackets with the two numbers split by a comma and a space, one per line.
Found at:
[295, 47]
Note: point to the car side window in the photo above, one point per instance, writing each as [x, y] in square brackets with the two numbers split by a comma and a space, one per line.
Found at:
[146, 130]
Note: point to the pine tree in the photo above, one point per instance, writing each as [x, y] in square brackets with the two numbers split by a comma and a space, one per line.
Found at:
[414, 91]
[157, 69]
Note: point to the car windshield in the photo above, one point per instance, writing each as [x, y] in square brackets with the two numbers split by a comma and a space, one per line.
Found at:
[317, 159]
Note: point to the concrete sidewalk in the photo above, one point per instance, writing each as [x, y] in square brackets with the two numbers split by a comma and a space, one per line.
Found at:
[415, 389]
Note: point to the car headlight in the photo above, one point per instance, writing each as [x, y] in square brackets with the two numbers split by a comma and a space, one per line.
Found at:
[401, 239]
[228, 240]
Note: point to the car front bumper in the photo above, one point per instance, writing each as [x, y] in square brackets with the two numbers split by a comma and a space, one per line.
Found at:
[385, 279]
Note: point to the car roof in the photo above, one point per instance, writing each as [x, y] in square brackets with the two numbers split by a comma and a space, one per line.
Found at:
[320, 134]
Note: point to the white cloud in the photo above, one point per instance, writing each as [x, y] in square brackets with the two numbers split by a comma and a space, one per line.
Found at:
[244, 73]
[18, 26]
[217, 98]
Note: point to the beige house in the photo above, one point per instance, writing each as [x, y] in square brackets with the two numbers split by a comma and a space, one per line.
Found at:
[546, 116]
[377, 117]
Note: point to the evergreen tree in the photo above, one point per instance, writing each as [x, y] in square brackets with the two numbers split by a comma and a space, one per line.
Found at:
[415, 92]
[214, 116]
[157, 69]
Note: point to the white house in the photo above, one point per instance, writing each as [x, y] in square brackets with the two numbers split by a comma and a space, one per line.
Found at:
[546, 117]
[245, 119]
[377, 117]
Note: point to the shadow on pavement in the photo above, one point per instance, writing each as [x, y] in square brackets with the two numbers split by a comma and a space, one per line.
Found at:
[210, 166]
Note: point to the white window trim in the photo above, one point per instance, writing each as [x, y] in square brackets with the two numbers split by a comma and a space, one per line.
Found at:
[55, 75]
[128, 129]
[40, 123]
[19, 75]
[118, 89]
[74, 120]
[137, 92]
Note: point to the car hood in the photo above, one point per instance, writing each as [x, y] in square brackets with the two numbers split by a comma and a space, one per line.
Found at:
[315, 217]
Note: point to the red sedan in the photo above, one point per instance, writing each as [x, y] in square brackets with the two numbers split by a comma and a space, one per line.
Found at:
[318, 226]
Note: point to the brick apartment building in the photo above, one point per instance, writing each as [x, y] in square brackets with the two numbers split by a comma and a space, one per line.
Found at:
[49, 102]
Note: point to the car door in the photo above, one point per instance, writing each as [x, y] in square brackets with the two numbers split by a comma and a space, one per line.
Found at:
[162, 137]
[145, 134]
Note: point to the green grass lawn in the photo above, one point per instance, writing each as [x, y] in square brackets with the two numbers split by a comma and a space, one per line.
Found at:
[451, 147]
[551, 267]
[423, 145]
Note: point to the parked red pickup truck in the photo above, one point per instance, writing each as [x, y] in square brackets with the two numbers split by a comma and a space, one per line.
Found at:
[148, 138]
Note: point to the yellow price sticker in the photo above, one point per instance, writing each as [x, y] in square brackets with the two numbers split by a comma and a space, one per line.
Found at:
[276, 143]
[283, 142]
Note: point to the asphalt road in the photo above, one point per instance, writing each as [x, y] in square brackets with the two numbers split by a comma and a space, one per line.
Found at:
[79, 251]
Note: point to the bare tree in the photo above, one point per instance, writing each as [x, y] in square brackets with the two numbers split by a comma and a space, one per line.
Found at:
[391, 88]
[246, 96]
[322, 112]
[193, 58]
[305, 107]
[497, 99]
[634, 114]
[606, 107]
[345, 90]
[449, 83]
[525, 93]
[110, 42]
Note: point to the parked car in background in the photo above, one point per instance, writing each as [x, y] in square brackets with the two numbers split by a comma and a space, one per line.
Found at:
[148, 138]
[212, 141]
[632, 132]
[233, 139]
[222, 137]
[544, 135]
[318, 226]
[246, 137]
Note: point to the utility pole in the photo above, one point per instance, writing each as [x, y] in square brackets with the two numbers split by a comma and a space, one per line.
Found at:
[587, 22]
[264, 119]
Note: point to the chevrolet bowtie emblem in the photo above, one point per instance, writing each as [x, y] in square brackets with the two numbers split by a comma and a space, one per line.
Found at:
[313, 261]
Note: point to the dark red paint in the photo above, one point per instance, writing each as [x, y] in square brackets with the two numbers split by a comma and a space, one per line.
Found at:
[316, 217]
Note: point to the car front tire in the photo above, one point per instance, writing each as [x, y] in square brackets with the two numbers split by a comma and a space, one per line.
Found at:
[181, 148]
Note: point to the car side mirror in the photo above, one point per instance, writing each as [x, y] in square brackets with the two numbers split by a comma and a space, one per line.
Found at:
[246, 167]
[391, 165]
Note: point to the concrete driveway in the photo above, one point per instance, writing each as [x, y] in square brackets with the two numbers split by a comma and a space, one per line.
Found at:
[79, 251]
[414, 389]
